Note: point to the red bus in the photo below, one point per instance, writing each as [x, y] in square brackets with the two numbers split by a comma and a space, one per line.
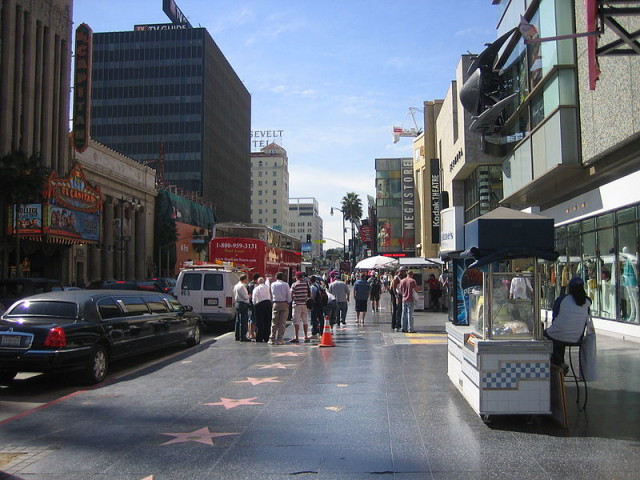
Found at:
[257, 248]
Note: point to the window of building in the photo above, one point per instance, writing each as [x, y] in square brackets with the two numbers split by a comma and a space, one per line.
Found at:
[275, 182]
[603, 251]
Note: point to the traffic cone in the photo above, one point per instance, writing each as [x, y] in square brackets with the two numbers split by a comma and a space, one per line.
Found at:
[327, 337]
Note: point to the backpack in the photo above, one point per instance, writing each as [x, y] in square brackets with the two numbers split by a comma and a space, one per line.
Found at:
[322, 299]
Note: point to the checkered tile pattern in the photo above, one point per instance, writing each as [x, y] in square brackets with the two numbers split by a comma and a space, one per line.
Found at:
[511, 373]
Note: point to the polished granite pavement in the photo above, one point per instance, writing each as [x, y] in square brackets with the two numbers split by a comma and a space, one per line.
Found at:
[377, 405]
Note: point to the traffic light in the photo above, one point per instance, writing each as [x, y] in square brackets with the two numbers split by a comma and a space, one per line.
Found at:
[308, 238]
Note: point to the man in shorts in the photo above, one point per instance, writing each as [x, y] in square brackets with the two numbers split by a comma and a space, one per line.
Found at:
[361, 295]
[300, 292]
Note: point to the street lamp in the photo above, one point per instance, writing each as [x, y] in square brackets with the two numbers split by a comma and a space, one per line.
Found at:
[344, 245]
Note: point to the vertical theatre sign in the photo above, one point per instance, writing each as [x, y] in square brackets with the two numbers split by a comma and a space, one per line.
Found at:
[408, 206]
[435, 200]
[82, 87]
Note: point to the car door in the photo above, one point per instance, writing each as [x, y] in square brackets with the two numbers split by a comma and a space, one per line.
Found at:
[176, 328]
[146, 331]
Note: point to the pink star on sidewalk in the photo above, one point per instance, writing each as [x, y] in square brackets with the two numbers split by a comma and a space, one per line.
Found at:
[289, 354]
[202, 435]
[235, 402]
[258, 381]
[282, 366]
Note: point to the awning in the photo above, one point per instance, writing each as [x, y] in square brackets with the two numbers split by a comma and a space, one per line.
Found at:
[419, 262]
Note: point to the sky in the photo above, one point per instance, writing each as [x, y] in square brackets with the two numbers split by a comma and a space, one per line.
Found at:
[334, 76]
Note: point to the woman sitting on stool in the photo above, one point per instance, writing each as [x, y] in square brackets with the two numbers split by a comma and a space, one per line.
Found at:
[570, 315]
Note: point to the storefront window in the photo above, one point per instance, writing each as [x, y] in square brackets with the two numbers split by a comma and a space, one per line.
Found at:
[628, 269]
[606, 277]
[607, 260]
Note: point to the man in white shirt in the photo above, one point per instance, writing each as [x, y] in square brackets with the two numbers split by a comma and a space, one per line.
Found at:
[241, 298]
[281, 295]
[341, 291]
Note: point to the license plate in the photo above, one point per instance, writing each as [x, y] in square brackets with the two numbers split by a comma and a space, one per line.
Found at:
[211, 302]
[10, 340]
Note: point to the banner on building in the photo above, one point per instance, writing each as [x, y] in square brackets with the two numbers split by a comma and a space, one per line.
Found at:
[435, 200]
[408, 206]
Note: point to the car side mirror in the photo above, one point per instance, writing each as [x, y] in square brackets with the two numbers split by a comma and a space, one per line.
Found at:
[188, 308]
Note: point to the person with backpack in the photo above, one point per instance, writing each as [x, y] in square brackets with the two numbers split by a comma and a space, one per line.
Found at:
[317, 311]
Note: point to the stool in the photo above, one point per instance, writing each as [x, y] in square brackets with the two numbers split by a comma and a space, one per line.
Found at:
[573, 372]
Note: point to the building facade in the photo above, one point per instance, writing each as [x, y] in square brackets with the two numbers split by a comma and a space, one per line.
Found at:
[566, 150]
[270, 187]
[35, 53]
[305, 223]
[169, 98]
[125, 250]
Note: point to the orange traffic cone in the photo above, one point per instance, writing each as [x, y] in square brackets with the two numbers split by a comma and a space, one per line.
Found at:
[327, 337]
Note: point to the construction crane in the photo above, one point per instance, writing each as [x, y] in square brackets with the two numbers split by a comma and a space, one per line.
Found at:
[407, 132]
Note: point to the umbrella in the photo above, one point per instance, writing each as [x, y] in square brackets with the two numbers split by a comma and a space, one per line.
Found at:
[379, 261]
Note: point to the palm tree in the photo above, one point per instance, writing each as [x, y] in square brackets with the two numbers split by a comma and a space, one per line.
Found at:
[352, 211]
[22, 179]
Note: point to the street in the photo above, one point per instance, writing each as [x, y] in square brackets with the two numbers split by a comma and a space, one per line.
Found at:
[378, 404]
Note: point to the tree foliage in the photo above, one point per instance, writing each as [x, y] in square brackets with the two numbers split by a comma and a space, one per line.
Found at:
[352, 207]
[22, 178]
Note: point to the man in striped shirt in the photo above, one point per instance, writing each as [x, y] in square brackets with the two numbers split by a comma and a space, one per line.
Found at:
[300, 292]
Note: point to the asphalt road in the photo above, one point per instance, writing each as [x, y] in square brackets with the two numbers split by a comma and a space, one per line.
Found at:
[32, 390]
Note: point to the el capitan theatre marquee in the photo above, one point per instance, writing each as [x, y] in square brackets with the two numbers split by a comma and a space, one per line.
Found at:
[70, 213]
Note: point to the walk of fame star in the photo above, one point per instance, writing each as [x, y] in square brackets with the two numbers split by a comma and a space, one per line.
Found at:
[235, 402]
[259, 380]
[282, 366]
[288, 354]
[202, 435]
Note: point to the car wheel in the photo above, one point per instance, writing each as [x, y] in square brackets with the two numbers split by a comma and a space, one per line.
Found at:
[195, 337]
[97, 366]
[7, 375]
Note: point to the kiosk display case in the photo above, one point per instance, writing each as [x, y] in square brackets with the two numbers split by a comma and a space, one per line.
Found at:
[497, 355]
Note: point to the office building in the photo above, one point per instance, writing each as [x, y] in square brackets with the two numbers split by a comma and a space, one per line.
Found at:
[305, 223]
[270, 187]
[169, 98]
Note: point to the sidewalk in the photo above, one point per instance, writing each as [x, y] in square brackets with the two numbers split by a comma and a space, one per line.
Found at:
[378, 405]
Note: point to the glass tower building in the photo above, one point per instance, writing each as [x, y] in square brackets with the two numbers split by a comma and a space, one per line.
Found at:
[172, 90]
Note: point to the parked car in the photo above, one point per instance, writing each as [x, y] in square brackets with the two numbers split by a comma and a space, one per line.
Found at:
[12, 289]
[84, 330]
[166, 283]
[127, 285]
[209, 291]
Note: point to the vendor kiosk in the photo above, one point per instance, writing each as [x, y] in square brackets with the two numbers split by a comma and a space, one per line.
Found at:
[497, 355]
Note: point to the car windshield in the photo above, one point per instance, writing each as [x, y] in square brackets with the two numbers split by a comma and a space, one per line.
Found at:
[44, 309]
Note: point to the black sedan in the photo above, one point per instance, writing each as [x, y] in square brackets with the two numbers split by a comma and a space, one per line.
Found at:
[83, 330]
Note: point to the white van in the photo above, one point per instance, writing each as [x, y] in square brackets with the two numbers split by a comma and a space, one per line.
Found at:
[209, 291]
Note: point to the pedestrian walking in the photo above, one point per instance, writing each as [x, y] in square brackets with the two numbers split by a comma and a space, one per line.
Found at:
[300, 293]
[262, 305]
[374, 292]
[407, 288]
[341, 291]
[241, 298]
[281, 295]
[361, 290]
